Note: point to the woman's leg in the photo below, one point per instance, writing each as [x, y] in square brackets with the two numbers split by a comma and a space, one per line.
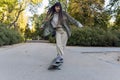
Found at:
[64, 39]
[61, 40]
[59, 43]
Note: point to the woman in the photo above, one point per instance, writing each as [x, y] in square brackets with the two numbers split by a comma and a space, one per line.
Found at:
[57, 20]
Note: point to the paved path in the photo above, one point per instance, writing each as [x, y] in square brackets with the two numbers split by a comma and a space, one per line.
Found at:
[29, 61]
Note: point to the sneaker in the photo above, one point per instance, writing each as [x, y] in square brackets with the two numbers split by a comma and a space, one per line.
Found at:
[59, 59]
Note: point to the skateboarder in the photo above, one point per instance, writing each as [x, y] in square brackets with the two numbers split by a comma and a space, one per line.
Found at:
[56, 23]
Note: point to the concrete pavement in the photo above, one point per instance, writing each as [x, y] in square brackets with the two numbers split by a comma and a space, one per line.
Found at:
[29, 61]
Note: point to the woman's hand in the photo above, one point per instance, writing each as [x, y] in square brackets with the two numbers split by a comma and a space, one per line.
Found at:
[42, 27]
[80, 25]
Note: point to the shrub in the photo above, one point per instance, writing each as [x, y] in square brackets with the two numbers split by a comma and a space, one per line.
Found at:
[9, 36]
[51, 39]
[92, 37]
[88, 36]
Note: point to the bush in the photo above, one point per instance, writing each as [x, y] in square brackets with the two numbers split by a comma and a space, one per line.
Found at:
[8, 36]
[92, 37]
[117, 33]
[51, 39]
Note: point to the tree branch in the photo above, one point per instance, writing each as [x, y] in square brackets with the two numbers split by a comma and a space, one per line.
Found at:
[16, 16]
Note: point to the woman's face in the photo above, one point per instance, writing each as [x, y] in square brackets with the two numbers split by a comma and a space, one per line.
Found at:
[57, 8]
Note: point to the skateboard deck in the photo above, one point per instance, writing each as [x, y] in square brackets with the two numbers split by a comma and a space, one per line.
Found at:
[54, 65]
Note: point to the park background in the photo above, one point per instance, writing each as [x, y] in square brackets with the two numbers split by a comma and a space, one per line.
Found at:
[20, 20]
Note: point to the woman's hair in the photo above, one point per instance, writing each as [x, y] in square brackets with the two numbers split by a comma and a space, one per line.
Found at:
[52, 10]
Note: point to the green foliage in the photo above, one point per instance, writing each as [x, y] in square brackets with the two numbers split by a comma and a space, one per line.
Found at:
[27, 34]
[93, 37]
[38, 20]
[89, 12]
[51, 39]
[8, 36]
[114, 9]
[8, 11]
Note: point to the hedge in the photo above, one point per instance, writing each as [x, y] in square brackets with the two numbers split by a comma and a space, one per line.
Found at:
[9, 36]
[88, 36]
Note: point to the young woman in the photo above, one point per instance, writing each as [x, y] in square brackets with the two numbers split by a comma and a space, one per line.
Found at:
[58, 20]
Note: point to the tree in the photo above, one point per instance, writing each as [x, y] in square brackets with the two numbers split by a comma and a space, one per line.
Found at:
[27, 34]
[114, 9]
[10, 10]
[88, 12]
[22, 23]
[37, 21]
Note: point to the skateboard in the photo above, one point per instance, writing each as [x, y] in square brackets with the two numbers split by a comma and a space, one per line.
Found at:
[55, 65]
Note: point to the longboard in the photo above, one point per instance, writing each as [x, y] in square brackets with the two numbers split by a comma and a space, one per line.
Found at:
[54, 65]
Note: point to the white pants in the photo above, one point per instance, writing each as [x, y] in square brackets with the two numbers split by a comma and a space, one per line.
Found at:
[61, 41]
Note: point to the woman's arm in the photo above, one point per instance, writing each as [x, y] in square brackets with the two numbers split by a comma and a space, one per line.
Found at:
[46, 21]
[72, 20]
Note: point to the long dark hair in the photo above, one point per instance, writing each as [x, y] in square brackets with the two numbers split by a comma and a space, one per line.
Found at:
[51, 11]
